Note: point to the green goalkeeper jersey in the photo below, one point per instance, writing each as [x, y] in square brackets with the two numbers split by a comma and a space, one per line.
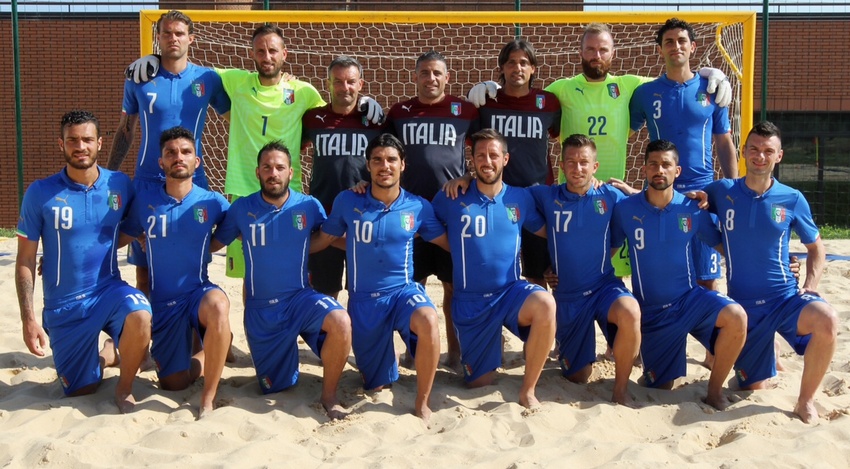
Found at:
[258, 115]
[599, 110]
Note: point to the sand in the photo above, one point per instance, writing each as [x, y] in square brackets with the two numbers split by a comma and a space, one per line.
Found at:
[576, 425]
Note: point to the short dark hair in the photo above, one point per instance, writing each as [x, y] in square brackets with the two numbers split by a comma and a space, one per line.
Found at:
[661, 145]
[431, 55]
[385, 141]
[274, 145]
[765, 129]
[77, 117]
[345, 61]
[267, 29]
[489, 134]
[175, 133]
[175, 15]
[513, 46]
[675, 23]
[578, 141]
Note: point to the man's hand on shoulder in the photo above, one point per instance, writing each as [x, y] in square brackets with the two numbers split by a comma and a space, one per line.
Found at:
[370, 107]
[701, 196]
[143, 70]
[360, 187]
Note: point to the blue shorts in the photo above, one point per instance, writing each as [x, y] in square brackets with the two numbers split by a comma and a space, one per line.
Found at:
[757, 361]
[665, 333]
[575, 334]
[74, 329]
[272, 328]
[374, 317]
[478, 321]
[706, 261]
[174, 323]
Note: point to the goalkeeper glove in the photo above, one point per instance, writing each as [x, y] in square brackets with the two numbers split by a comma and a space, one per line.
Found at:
[718, 84]
[144, 69]
[479, 93]
[372, 109]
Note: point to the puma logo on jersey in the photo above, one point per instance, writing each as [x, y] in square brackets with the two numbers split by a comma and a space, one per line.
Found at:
[657, 95]
[254, 90]
[358, 211]
[250, 214]
[730, 199]
[406, 108]
[580, 90]
[639, 220]
[321, 118]
[558, 203]
[153, 209]
[60, 199]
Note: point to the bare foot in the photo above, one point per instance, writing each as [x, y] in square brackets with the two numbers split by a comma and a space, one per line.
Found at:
[231, 357]
[624, 398]
[529, 401]
[453, 361]
[205, 411]
[609, 354]
[125, 402]
[719, 402]
[334, 409]
[148, 363]
[109, 353]
[423, 412]
[807, 412]
[776, 352]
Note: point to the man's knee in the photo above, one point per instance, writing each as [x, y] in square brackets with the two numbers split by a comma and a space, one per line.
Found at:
[823, 319]
[625, 314]
[732, 317]
[538, 310]
[137, 323]
[425, 322]
[214, 309]
[337, 323]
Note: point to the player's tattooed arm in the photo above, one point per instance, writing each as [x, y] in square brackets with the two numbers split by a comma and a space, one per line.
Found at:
[122, 141]
[34, 336]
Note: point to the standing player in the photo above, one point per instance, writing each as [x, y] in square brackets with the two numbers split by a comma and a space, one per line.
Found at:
[484, 228]
[339, 134]
[177, 220]
[275, 225]
[527, 117]
[757, 215]
[178, 96]
[433, 128]
[578, 217]
[676, 107]
[76, 214]
[661, 224]
[379, 227]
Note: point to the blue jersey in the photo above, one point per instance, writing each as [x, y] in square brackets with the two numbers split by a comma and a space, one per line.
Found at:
[78, 227]
[169, 100]
[756, 231]
[484, 235]
[177, 237]
[579, 235]
[276, 242]
[660, 245]
[379, 239]
[684, 114]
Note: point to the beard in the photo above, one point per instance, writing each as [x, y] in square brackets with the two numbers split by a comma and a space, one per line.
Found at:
[597, 72]
[274, 73]
[661, 185]
[180, 173]
[490, 179]
[274, 193]
[77, 164]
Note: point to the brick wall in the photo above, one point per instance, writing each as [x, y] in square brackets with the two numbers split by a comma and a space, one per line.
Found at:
[68, 63]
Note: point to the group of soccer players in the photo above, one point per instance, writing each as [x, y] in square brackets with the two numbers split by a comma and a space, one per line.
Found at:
[417, 211]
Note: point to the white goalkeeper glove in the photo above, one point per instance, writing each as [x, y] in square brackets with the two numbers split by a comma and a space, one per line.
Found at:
[144, 69]
[479, 93]
[718, 85]
[372, 109]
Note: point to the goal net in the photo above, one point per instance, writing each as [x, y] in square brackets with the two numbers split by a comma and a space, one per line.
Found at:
[388, 43]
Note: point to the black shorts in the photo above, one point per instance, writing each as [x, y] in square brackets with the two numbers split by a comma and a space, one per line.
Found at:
[535, 255]
[430, 259]
[326, 269]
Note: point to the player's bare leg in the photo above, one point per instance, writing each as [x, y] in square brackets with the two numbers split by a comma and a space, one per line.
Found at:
[538, 312]
[732, 325]
[625, 313]
[334, 355]
[452, 344]
[819, 320]
[133, 346]
[425, 324]
[213, 316]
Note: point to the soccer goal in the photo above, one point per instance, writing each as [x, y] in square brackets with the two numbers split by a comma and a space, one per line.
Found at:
[388, 43]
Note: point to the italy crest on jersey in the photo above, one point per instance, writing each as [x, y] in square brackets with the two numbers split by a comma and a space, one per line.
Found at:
[513, 213]
[198, 89]
[408, 221]
[685, 223]
[299, 220]
[114, 200]
[456, 109]
[777, 213]
[288, 96]
[599, 205]
[613, 90]
[201, 215]
[540, 101]
[703, 99]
